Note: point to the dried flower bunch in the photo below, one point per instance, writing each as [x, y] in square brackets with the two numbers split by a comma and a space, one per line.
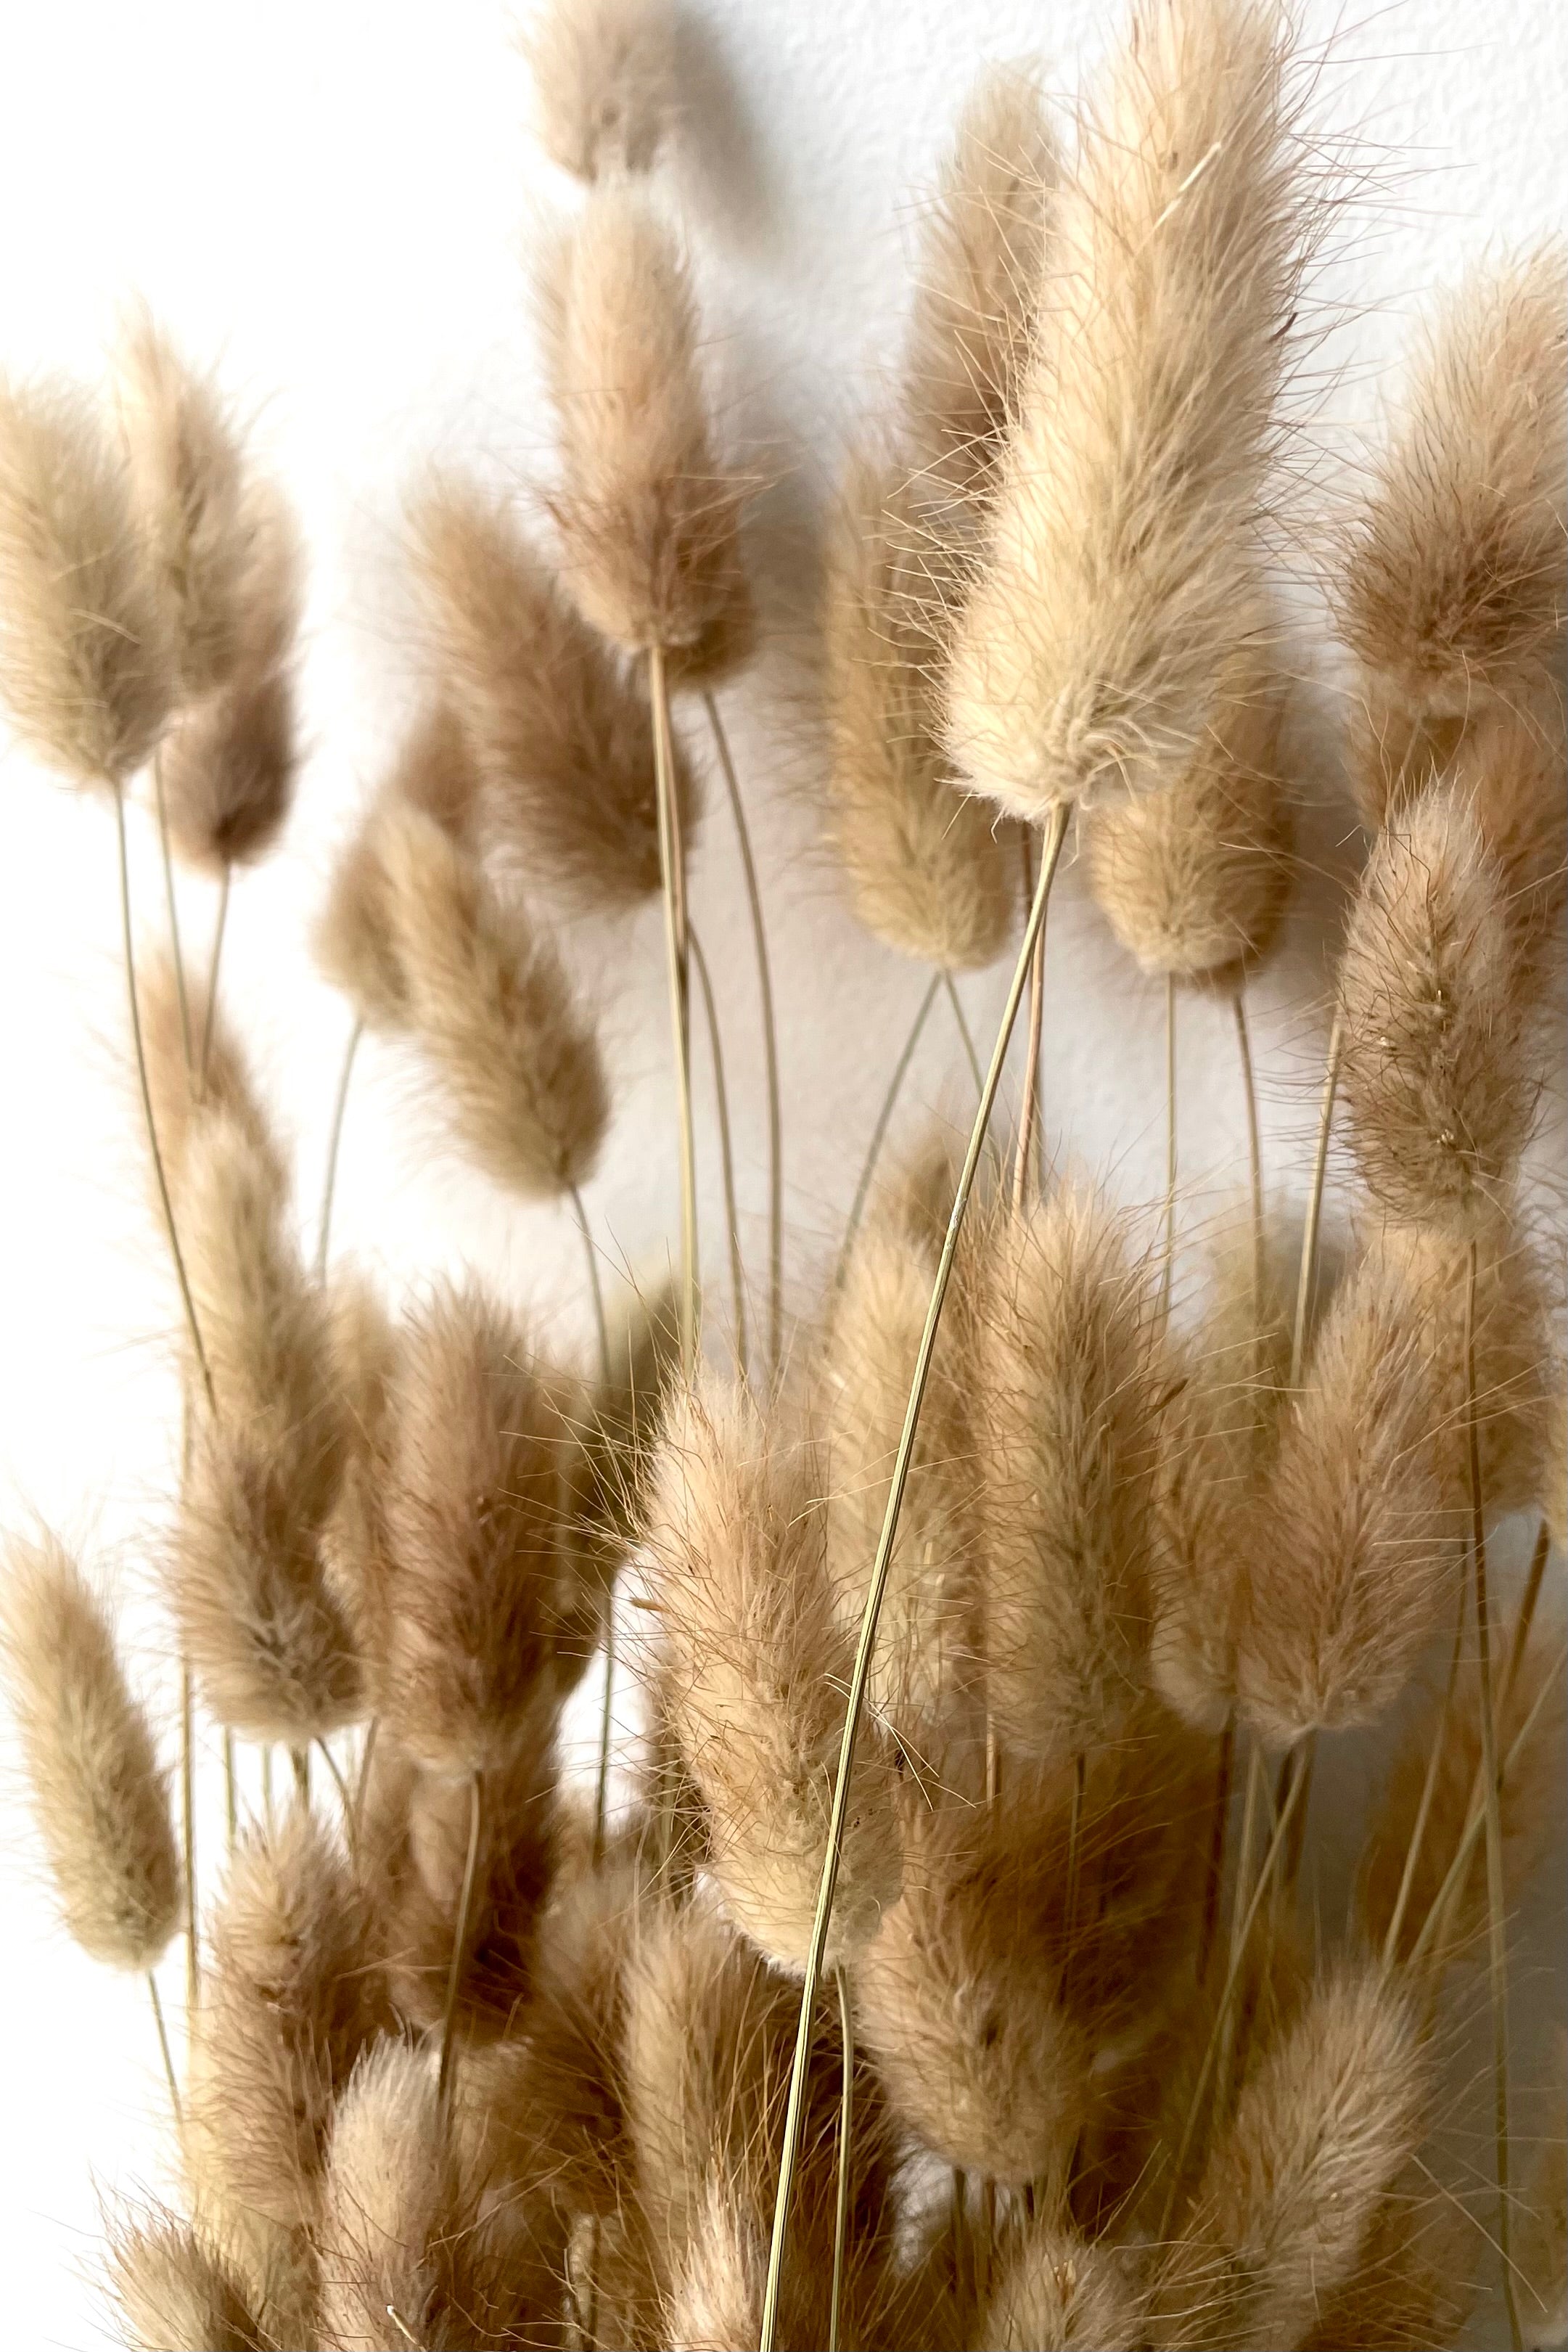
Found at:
[944, 1962]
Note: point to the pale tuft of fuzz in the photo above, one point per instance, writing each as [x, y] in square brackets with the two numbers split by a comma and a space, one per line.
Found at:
[177, 2294]
[604, 83]
[758, 1663]
[1334, 1617]
[1508, 770]
[352, 937]
[86, 668]
[928, 871]
[388, 2201]
[647, 515]
[1435, 1069]
[716, 2296]
[101, 1801]
[1121, 556]
[1061, 2293]
[228, 772]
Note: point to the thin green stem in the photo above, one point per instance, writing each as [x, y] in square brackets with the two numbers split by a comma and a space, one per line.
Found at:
[965, 1032]
[334, 1145]
[846, 2119]
[1315, 1203]
[726, 1151]
[168, 2054]
[884, 1120]
[175, 950]
[672, 867]
[220, 931]
[770, 1047]
[795, 2111]
[459, 1943]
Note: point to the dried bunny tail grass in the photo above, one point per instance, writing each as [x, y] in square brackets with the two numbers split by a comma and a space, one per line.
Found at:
[1435, 1061]
[1061, 2293]
[757, 1662]
[1194, 878]
[1450, 585]
[437, 772]
[1066, 1377]
[86, 671]
[977, 277]
[1413, 2285]
[364, 1343]
[175, 2292]
[926, 867]
[353, 939]
[560, 729]
[716, 2298]
[228, 772]
[1334, 1618]
[100, 1800]
[647, 517]
[292, 1996]
[1509, 771]
[518, 1070]
[477, 1584]
[604, 83]
[924, 1666]
[389, 2203]
[221, 1081]
[1123, 534]
[1327, 2122]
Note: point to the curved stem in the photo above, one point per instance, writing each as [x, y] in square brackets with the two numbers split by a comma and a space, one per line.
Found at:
[770, 1047]
[219, 929]
[459, 1943]
[795, 2112]
[672, 872]
[965, 1032]
[1218, 1817]
[362, 1781]
[343, 1788]
[152, 1144]
[727, 1151]
[883, 1118]
[231, 1792]
[1315, 1203]
[1254, 1173]
[188, 1832]
[596, 1288]
[846, 2117]
[1029, 1110]
[1167, 1274]
[175, 950]
[606, 1728]
[334, 1142]
[168, 2055]
[1428, 1787]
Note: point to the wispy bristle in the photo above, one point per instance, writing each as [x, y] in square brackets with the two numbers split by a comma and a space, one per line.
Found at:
[352, 937]
[390, 2205]
[604, 83]
[101, 1801]
[176, 2293]
[1061, 2293]
[86, 665]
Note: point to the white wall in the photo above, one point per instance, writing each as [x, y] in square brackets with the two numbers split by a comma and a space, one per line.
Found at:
[339, 200]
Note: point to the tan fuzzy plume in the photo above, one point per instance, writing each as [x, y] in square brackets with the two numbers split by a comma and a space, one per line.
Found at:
[1059, 2293]
[1508, 769]
[926, 867]
[716, 2299]
[1121, 558]
[101, 1801]
[1067, 1389]
[757, 1662]
[604, 83]
[1452, 585]
[228, 772]
[977, 279]
[647, 515]
[1335, 1619]
[86, 667]
[1435, 1071]
[176, 2293]
[559, 728]
[352, 937]
[221, 1083]
[517, 1070]
[389, 2206]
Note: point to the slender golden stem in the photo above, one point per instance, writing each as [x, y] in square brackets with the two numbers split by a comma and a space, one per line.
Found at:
[1527, 1607]
[175, 950]
[341, 1786]
[796, 2109]
[1315, 1203]
[672, 869]
[1496, 1918]
[188, 1832]
[595, 1287]
[606, 1730]
[1428, 1786]
[1167, 1274]
[770, 1047]
[1029, 1112]
[219, 931]
[1218, 1817]
[362, 1783]
[965, 1032]
[846, 2119]
[152, 1144]
[1254, 1172]
[168, 2054]
[459, 1942]
[727, 1151]
[231, 1792]
[266, 1799]
[334, 1144]
[884, 1120]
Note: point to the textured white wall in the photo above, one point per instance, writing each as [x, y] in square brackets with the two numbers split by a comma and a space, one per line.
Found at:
[339, 202]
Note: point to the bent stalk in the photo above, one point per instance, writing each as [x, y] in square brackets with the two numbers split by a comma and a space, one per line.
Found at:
[673, 874]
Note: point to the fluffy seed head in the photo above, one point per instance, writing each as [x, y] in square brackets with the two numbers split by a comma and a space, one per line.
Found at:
[605, 95]
[101, 1803]
[228, 772]
[1121, 547]
[86, 672]
[926, 866]
[1059, 2293]
[176, 2293]
[1435, 1071]
[757, 1662]
[353, 939]
[1508, 770]
[390, 2197]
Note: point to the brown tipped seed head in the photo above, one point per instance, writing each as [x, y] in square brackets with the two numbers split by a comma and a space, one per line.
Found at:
[228, 772]
[177, 2294]
[435, 770]
[1436, 1070]
[1193, 878]
[479, 1594]
[926, 869]
[604, 83]
[757, 1662]
[1059, 2293]
[559, 727]
[977, 279]
[1452, 582]
[101, 1801]
[1122, 556]
[647, 515]
[517, 1067]
[86, 671]
[1332, 1620]
[1066, 1376]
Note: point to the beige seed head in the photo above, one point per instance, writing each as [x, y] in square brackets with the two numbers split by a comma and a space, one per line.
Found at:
[1061, 2293]
[353, 939]
[86, 665]
[604, 83]
[228, 772]
[390, 2200]
[176, 2292]
[101, 1801]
